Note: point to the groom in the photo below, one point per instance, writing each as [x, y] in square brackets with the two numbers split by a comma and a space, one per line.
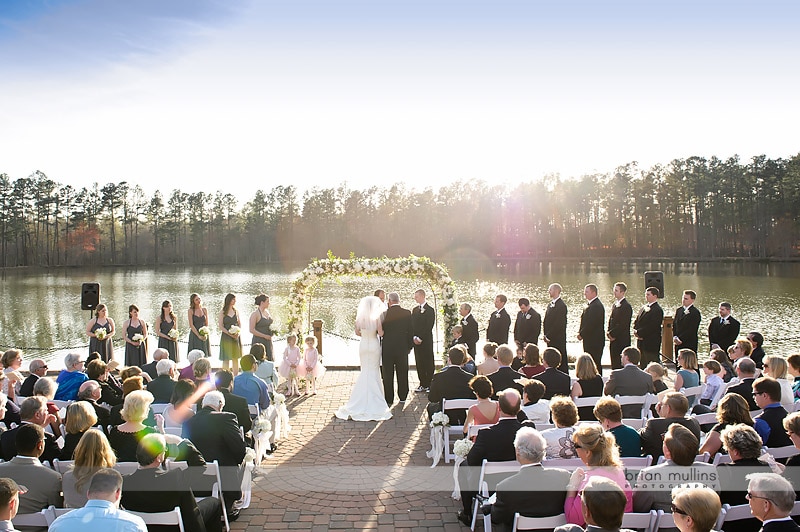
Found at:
[397, 342]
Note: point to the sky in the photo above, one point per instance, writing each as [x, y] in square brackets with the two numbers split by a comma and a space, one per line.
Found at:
[238, 95]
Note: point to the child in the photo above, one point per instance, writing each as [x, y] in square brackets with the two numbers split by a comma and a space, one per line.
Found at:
[290, 367]
[713, 381]
[313, 368]
[536, 408]
[657, 373]
[457, 331]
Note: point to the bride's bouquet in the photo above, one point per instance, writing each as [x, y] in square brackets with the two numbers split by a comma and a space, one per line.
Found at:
[204, 332]
[101, 333]
[137, 337]
[235, 330]
[173, 334]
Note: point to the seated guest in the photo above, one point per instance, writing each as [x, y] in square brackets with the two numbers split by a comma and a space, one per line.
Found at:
[46, 387]
[9, 412]
[794, 371]
[265, 370]
[70, 378]
[726, 372]
[533, 364]
[776, 367]
[9, 503]
[89, 392]
[757, 340]
[43, 484]
[792, 425]
[555, 382]
[689, 374]
[131, 384]
[745, 370]
[505, 377]
[92, 453]
[771, 500]
[37, 369]
[714, 382]
[672, 408]
[247, 385]
[97, 370]
[564, 414]
[654, 484]
[180, 404]
[657, 372]
[33, 410]
[151, 367]
[452, 382]
[124, 438]
[609, 413]
[201, 374]
[732, 409]
[598, 450]
[486, 411]
[235, 404]
[523, 493]
[469, 365]
[102, 508]
[490, 363]
[589, 384]
[602, 505]
[163, 383]
[536, 409]
[193, 356]
[695, 508]
[133, 371]
[80, 418]
[769, 424]
[630, 380]
[173, 490]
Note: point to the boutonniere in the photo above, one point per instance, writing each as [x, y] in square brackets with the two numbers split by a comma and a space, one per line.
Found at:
[464, 321]
[617, 304]
[552, 304]
[725, 321]
[646, 308]
[497, 315]
[527, 316]
[422, 310]
[686, 311]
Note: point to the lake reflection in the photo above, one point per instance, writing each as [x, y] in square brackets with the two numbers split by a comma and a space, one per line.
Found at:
[42, 309]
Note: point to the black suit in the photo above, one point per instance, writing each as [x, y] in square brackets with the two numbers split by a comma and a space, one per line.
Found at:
[150, 369]
[781, 526]
[555, 330]
[450, 383]
[470, 334]
[499, 324]
[619, 328]
[555, 383]
[629, 380]
[745, 389]
[522, 494]
[504, 378]
[103, 414]
[527, 328]
[592, 331]
[26, 390]
[237, 405]
[685, 328]
[161, 387]
[652, 433]
[723, 334]
[397, 342]
[647, 328]
[422, 327]
[732, 479]
[171, 490]
[8, 441]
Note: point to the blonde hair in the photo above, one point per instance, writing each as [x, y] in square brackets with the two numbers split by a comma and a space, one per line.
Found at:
[200, 368]
[312, 339]
[136, 406]
[702, 504]
[601, 445]
[585, 368]
[654, 368]
[689, 358]
[93, 452]
[80, 417]
[777, 366]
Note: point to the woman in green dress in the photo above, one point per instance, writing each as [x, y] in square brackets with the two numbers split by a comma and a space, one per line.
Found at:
[230, 344]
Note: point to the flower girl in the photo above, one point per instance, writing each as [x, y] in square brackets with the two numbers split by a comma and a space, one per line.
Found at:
[313, 368]
[290, 368]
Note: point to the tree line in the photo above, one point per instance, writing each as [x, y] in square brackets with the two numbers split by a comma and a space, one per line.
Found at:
[694, 208]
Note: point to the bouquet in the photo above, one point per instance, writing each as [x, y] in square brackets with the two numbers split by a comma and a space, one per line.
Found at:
[173, 334]
[261, 425]
[440, 419]
[101, 333]
[249, 455]
[235, 330]
[137, 337]
[204, 332]
[278, 398]
[462, 447]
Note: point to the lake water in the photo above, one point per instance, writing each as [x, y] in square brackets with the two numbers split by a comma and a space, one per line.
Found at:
[40, 310]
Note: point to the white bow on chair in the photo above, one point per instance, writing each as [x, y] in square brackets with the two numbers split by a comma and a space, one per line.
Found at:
[439, 423]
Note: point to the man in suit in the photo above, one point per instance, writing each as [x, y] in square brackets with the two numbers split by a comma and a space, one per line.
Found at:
[163, 384]
[647, 328]
[170, 489]
[619, 325]
[499, 322]
[591, 331]
[505, 377]
[32, 410]
[686, 324]
[90, 392]
[672, 408]
[469, 327]
[723, 331]
[43, 484]
[528, 326]
[771, 498]
[397, 342]
[603, 505]
[555, 325]
[757, 339]
[523, 493]
[235, 404]
[151, 368]
[555, 382]
[495, 444]
[769, 423]
[422, 321]
[746, 371]
[630, 380]
[216, 435]
[38, 369]
[451, 383]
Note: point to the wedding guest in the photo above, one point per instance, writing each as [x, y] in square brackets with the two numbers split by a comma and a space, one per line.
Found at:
[794, 371]
[125, 437]
[469, 364]
[135, 335]
[771, 499]
[457, 332]
[731, 410]
[150, 368]
[489, 364]
[602, 504]
[505, 377]
[70, 378]
[657, 373]
[180, 404]
[671, 408]
[695, 508]
[165, 324]
[103, 345]
[630, 380]
[247, 385]
[744, 447]
[589, 384]
[746, 372]
[37, 369]
[97, 370]
[131, 384]
[201, 373]
[197, 319]
[80, 418]
[721, 356]
[162, 386]
[775, 366]
[792, 425]
[499, 322]
[535, 408]
[714, 382]
[688, 376]
[12, 360]
[555, 381]
[9, 503]
[261, 326]
[608, 412]
[32, 410]
[757, 339]
[188, 371]
[533, 364]
[486, 411]
[769, 424]
[90, 393]
[564, 414]
[46, 388]
[452, 382]
[92, 453]
[265, 369]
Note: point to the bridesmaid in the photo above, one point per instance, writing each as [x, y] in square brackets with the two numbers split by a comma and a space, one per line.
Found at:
[230, 345]
[261, 325]
[101, 320]
[198, 317]
[135, 350]
[164, 324]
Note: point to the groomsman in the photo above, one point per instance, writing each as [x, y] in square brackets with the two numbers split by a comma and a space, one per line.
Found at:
[528, 326]
[686, 324]
[619, 325]
[555, 325]
[591, 331]
[422, 320]
[470, 327]
[723, 331]
[499, 322]
[647, 328]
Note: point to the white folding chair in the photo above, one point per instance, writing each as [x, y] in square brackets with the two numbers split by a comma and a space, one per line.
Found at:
[645, 521]
[564, 463]
[720, 458]
[454, 430]
[695, 392]
[637, 462]
[796, 509]
[255, 410]
[177, 431]
[736, 513]
[126, 468]
[665, 520]
[37, 519]
[705, 419]
[158, 408]
[473, 429]
[718, 397]
[782, 452]
[52, 513]
[212, 469]
[173, 517]
[645, 401]
[62, 466]
[699, 458]
[584, 401]
[536, 523]
[490, 468]
[544, 426]
[634, 423]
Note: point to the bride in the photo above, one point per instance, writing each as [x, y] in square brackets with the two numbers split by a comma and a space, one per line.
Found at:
[366, 400]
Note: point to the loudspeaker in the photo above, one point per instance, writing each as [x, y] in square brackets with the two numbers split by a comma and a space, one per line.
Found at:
[656, 280]
[90, 296]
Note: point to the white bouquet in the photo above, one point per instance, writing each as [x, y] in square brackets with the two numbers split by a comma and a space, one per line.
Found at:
[235, 330]
[173, 334]
[462, 447]
[101, 333]
[249, 455]
[137, 337]
[261, 425]
[279, 398]
[204, 331]
[440, 419]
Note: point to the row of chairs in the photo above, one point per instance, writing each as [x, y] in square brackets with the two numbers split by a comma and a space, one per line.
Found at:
[46, 517]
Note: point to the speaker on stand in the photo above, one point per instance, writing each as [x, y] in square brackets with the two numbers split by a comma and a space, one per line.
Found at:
[656, 280]
[90, 296]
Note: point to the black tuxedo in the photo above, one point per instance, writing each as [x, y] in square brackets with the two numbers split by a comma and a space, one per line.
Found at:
[450, 383]
[745, 389]
[555, 330]
[555, 383]
[499, 325]
[504, 378]
[592, 331]
[237, 405]
[723, 334]
[422, 327]
[629, 380]
[619, 328]
[685, 327]
[647, 328]
[8, 442]
[527, 328]
[522, 494]
[161, 387]
[397, 342]
[26, 390]
[470, 334]
[653, 433]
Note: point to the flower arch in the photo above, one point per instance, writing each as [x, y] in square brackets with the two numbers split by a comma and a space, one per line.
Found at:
[417, 267]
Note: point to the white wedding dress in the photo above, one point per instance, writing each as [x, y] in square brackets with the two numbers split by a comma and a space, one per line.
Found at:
[366, 400]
